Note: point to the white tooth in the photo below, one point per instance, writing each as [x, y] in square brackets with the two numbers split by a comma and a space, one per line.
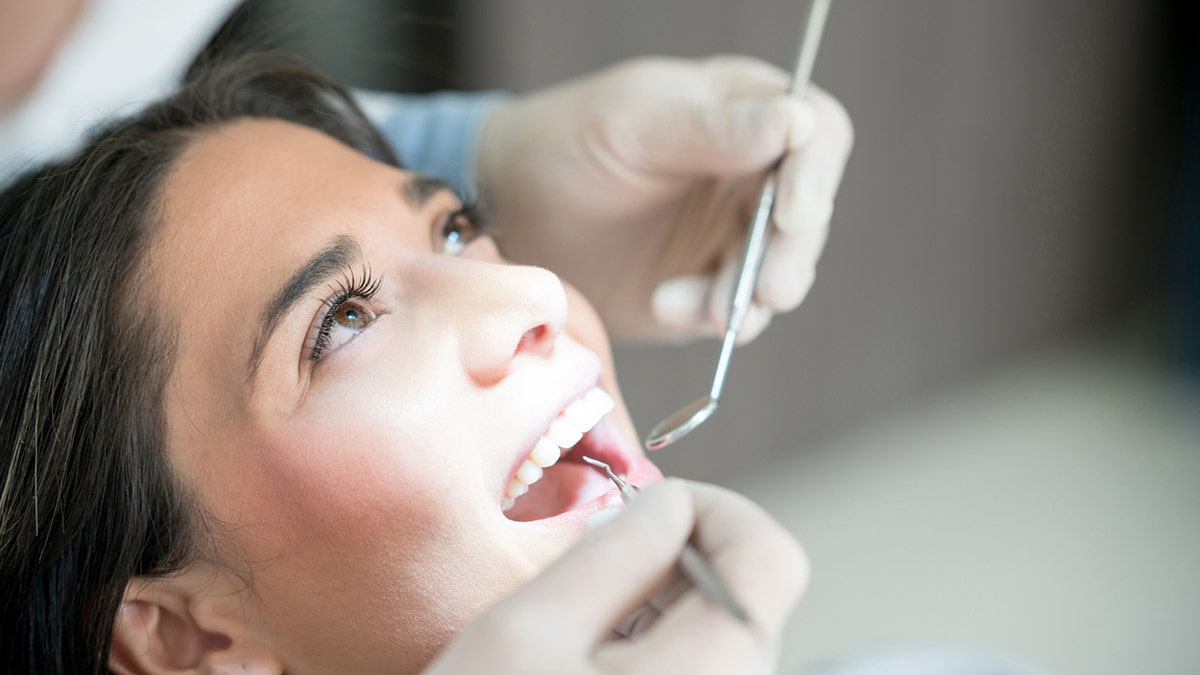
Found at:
[516, 488]
[602, 400]
[563, 433]
[545, 453]
[529, 473]
[594, 412]
[507, 503]
[580, 414]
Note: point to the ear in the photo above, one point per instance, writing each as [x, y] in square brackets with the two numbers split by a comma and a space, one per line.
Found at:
[177, 625]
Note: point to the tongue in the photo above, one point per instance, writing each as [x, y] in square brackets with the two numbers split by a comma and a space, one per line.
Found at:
[564, 486]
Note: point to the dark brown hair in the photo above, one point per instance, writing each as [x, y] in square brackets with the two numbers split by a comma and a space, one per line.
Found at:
[87, 497]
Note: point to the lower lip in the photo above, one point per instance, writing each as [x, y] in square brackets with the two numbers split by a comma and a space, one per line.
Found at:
[643, 472]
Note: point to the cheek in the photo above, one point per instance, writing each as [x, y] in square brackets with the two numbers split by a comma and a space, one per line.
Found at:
[364, 510]
[364, 543]
[364, 466]
[584, 325]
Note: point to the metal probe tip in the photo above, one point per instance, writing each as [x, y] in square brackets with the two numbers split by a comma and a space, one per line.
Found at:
[607, 469]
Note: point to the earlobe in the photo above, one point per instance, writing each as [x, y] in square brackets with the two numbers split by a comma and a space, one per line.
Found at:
[162, 626]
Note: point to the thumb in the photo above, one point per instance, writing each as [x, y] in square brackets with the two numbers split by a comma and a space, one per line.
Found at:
[611, 571]
[714, 138]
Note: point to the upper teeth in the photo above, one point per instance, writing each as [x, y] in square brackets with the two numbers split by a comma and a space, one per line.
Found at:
[564, 432]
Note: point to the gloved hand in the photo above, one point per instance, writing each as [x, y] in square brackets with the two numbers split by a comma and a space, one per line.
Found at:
[637, 185]
[561, 621]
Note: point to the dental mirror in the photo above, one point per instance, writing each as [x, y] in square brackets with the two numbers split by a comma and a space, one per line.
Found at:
[683, 421]
[687, 418]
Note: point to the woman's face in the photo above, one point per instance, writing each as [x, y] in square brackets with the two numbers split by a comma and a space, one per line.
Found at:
[360, 376]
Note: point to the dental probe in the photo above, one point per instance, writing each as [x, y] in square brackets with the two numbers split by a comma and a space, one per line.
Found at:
[691, 562]
[684, 420]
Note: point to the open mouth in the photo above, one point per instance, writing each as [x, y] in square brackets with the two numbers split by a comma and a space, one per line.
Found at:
[554, 478]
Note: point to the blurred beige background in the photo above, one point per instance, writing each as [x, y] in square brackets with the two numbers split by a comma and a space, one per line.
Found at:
[973, 423]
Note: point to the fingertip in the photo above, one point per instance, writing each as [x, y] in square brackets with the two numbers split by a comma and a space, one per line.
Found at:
[813, 212]
[679, 302]
[784, 283]
[803, 118]
[809, 179]
[792, 578]
[722, 293]
[835, 119]
[664, 509]
[757, 320]
[800, 213]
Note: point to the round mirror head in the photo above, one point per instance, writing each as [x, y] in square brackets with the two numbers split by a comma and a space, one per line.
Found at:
[681, 423]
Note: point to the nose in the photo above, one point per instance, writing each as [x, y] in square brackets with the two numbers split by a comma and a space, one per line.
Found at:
[506, 313]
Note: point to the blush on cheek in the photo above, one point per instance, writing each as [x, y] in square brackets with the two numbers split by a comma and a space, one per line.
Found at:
[366, 488]
[335, 495]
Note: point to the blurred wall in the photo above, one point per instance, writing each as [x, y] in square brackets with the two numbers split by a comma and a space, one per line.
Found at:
[396, 45]
[1006, 189]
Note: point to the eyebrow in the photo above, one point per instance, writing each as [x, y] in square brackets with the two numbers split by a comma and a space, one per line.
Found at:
[418, 191]
[325, 265]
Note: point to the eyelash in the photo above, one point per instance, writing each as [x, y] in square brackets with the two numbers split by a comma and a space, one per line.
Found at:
[349, 288]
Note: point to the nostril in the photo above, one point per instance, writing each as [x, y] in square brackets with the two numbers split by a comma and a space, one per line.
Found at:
[534, 339]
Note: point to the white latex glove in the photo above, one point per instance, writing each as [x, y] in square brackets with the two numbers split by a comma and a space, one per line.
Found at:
[561, 621]
[637, 185]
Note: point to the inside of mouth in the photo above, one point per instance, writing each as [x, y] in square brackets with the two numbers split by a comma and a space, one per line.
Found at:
[567, 485]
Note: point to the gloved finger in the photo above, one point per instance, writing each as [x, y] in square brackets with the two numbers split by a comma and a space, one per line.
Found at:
[682, 302]
[756, 321]
[606, 576]
[788, 269]
[765, 570]
[809, 178]
[643, 617]
[722, 290]
[741, 77]
[703, 137]
[760, 560]
[737, 76]
[758, 317]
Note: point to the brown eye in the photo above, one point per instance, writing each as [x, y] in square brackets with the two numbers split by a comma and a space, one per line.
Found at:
[460, 229]
[352, 315]
[341, 323]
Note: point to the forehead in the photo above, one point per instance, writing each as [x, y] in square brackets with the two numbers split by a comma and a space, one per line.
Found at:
[256, 179]
[247, 202]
